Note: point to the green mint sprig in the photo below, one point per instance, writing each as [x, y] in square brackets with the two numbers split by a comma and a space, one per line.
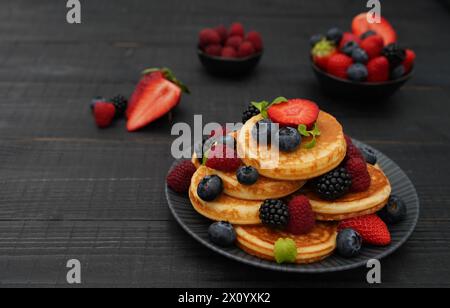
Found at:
[263, 106]
[302, 129]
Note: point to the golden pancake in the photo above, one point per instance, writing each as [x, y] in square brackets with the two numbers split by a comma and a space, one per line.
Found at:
[259, 241]
[264, 188]
[303, 163]
[224, 207]
[354, 204]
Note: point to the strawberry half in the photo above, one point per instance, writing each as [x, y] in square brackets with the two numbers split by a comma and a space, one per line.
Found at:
[156, 94]
[294, 112]
[371, 228]
[360, 25]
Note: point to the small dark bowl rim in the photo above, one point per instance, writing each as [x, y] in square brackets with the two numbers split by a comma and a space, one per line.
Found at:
[237, 60]
[364, 83]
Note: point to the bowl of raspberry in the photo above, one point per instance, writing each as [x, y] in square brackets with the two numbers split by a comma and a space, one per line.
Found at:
[229, 52]
[366, 62]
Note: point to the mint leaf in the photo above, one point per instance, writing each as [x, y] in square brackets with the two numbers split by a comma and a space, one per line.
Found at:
[302, 130]
[279, 100]
[311, 144]
[262, 107]
[205, 157]
[314, 133]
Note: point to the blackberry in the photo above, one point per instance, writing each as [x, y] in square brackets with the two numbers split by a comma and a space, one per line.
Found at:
[333, 184]
[121, 103]
[394, 54]
[274, 213]
[249, 113]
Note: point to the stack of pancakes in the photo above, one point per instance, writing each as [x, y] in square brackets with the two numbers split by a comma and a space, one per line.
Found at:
[239, 204]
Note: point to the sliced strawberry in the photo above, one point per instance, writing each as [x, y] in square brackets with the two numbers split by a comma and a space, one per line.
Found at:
[146, 80]
[294, 112]
[360, 25]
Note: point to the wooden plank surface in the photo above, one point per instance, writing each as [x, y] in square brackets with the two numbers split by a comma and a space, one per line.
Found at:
[69, 190]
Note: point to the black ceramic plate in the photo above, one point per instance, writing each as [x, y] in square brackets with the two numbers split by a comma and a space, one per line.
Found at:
[197, 227]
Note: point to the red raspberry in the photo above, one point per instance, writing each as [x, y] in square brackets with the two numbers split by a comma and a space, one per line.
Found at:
[357, 168]
[223, 158]
[255, 38]
[352, 150]
[246, 49]
[179, 178]
[234, 41]
[214, 50]
[104, 113]
[223, 32]
[348, 140]
[208, 37]
[229, 52]
[301, 216]
[371, 228]
[237, 29]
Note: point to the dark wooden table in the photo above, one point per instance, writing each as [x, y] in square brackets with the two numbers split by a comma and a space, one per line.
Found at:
[69, 190]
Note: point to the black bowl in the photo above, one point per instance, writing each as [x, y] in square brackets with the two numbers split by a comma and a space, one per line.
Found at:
[228, 66]
[358, 90]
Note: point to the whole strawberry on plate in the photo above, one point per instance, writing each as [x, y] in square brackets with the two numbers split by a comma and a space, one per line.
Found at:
[158, 92]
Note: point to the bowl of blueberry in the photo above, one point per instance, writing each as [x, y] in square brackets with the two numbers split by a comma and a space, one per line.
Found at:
[366, 62]
[229, 52]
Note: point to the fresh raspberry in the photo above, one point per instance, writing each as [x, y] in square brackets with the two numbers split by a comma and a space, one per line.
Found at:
[256, 39]
[223, 158]
[378, 69]
[214, 50]
[229, 52]
[208, 37]
[372, 45]
[179, 178]
[409, 60]
[357, 168]
[338, 64]
[223, 32]
[371, 228]
[234, 41]
[104, 113]
[348, 140]
[347, 37]
[301, 216]
[237, 29]
[245, 49]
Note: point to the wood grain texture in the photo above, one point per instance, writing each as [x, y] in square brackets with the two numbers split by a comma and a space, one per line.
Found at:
[69, 190]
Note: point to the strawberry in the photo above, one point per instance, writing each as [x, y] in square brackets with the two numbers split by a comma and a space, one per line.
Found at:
[223, 32]
[360, 25]
[104, 113]
[347, 37]
[208, 37]
[378, 69]
[371, 228]
[157, 93]
[409, 60]
[357, 168]
[294, 112]
[222, 158]
[372, 45]
[338, 64]
[245, 49]
[214, 50]
[255, 38]
[234, 41]
[179, 178]
[229, 52]
[301, 216]
[321, 53]
[237, 29]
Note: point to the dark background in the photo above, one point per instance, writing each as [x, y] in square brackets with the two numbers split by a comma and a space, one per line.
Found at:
[69, 190]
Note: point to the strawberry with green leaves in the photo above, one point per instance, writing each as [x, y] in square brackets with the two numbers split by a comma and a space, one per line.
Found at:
[322, 51]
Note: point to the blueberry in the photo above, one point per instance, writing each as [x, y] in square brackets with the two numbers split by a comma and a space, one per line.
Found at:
[369, 155]
[335, 35]
[394, 211]
[247, 175]
[357, 72]
[367, 34]
[348, 243]
[263, 131]
[359, 55]
[397, 72]
[96, 100]
[315, 39]
[210, 187]
[349, 47]
[222, 233]
[288, 139]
